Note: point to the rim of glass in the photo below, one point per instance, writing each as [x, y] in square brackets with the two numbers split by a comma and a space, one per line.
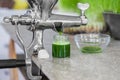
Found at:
[101, 36]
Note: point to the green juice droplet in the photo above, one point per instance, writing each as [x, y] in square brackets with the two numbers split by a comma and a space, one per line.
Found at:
[59, 27]
[59, 30]
[60, 33]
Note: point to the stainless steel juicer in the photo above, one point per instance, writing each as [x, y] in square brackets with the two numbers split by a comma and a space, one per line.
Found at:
[38, 18]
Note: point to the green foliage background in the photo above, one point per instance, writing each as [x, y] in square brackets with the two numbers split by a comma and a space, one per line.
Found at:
[97, 7]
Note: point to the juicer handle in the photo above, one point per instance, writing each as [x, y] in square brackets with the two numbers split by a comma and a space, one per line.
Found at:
[12, 63]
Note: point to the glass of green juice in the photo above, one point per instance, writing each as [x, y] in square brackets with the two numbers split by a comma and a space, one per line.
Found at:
[61, 46]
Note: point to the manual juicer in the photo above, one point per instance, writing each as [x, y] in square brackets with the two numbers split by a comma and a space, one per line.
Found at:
[39, 18]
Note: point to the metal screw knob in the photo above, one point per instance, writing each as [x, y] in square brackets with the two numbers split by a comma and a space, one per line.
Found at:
[7, 19]
[83, 7]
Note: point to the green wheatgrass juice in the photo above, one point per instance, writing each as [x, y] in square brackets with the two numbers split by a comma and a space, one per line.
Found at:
[61, 50]
[91, 49]
[61, 47]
